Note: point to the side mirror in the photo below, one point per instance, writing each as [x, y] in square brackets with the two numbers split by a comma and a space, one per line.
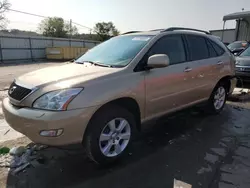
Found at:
[158, 61]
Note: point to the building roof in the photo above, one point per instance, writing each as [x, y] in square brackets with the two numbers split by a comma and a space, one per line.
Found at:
[237, 15]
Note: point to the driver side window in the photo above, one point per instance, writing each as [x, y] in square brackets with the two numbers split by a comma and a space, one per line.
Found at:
[172, 46]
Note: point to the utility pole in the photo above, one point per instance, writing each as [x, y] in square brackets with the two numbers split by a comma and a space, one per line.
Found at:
[70, 28]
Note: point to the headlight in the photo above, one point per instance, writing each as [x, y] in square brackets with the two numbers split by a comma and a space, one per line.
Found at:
[56, 100]
[237, 62]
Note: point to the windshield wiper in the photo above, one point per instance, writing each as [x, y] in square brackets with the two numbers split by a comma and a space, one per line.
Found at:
[94, 63]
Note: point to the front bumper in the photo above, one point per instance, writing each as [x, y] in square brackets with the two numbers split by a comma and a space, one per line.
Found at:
[31, 122]
[245, 76]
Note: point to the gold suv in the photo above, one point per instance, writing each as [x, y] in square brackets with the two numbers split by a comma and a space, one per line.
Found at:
[108, 93]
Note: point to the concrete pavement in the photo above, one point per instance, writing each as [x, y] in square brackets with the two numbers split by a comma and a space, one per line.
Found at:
[6, 132]
[7, 75]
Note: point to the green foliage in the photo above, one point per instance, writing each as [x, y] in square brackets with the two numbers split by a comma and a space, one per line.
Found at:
[56, 27]
[85, 36]
[105, 30]
[4, 150]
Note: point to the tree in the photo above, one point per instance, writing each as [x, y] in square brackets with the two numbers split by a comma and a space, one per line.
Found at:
[71, 30]
[4, 6]
[56, 27]
[18, 32]
[105, 30]
[85, 36]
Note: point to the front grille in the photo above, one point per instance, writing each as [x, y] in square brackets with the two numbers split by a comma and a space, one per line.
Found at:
[18, 92]
[242, 69]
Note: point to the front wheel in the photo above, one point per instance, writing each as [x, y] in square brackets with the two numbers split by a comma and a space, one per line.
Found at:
[109, 134]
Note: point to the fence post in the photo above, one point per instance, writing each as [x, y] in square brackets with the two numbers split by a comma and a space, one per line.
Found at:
[31, 53]
[1, 51]
[83, 44]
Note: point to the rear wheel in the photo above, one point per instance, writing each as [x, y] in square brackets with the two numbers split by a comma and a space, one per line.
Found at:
[109, 134]
[217, 99]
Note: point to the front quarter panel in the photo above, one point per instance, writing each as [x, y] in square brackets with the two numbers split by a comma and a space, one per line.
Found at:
[102, 91]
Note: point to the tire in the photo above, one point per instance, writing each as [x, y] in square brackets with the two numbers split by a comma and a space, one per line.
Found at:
[217, 99]
[107, 123]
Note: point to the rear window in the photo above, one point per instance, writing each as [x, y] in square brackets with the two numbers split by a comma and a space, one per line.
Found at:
[219, 50]
[197, 47]
[212, 52]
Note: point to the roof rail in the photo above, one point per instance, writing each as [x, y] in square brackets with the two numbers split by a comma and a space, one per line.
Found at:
[157, 30]
[130, 32]
[183, 28]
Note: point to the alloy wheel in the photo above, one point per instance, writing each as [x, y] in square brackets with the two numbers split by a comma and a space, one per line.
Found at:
[219, 98]
[114, 137]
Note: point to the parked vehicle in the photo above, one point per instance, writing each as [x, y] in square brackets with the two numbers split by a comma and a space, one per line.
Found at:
[243, 65]
[107, 94]
[238, 46]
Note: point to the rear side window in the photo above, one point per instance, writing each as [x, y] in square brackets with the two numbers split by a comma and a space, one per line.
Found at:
[171, 46]
[220, 51]
[197, 47]
[211, 50]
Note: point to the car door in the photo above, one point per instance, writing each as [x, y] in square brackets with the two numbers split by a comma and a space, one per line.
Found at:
[167, 88]
[221, 64]
[201, 65]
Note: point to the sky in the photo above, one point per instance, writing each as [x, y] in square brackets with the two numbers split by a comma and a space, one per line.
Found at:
[128, 15]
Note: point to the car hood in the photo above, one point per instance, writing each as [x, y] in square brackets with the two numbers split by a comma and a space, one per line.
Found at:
[243, 61]
[74, 73]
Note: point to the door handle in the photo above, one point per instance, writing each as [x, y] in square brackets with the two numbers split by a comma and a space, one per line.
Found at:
[219, 63]
[187, 69]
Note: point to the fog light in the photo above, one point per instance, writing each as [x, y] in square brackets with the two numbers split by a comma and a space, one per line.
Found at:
[51, 133]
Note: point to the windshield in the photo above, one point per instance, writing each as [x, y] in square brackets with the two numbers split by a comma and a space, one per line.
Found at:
[237, 45]
[117, 51]
[245, 52]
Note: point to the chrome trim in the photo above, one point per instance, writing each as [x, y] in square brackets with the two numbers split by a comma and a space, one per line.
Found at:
[241, 66]
[33, 89]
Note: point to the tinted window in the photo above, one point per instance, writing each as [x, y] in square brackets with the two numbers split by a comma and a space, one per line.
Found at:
[217, 48]
[211, 50]
[171, 46]
[197, 47]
